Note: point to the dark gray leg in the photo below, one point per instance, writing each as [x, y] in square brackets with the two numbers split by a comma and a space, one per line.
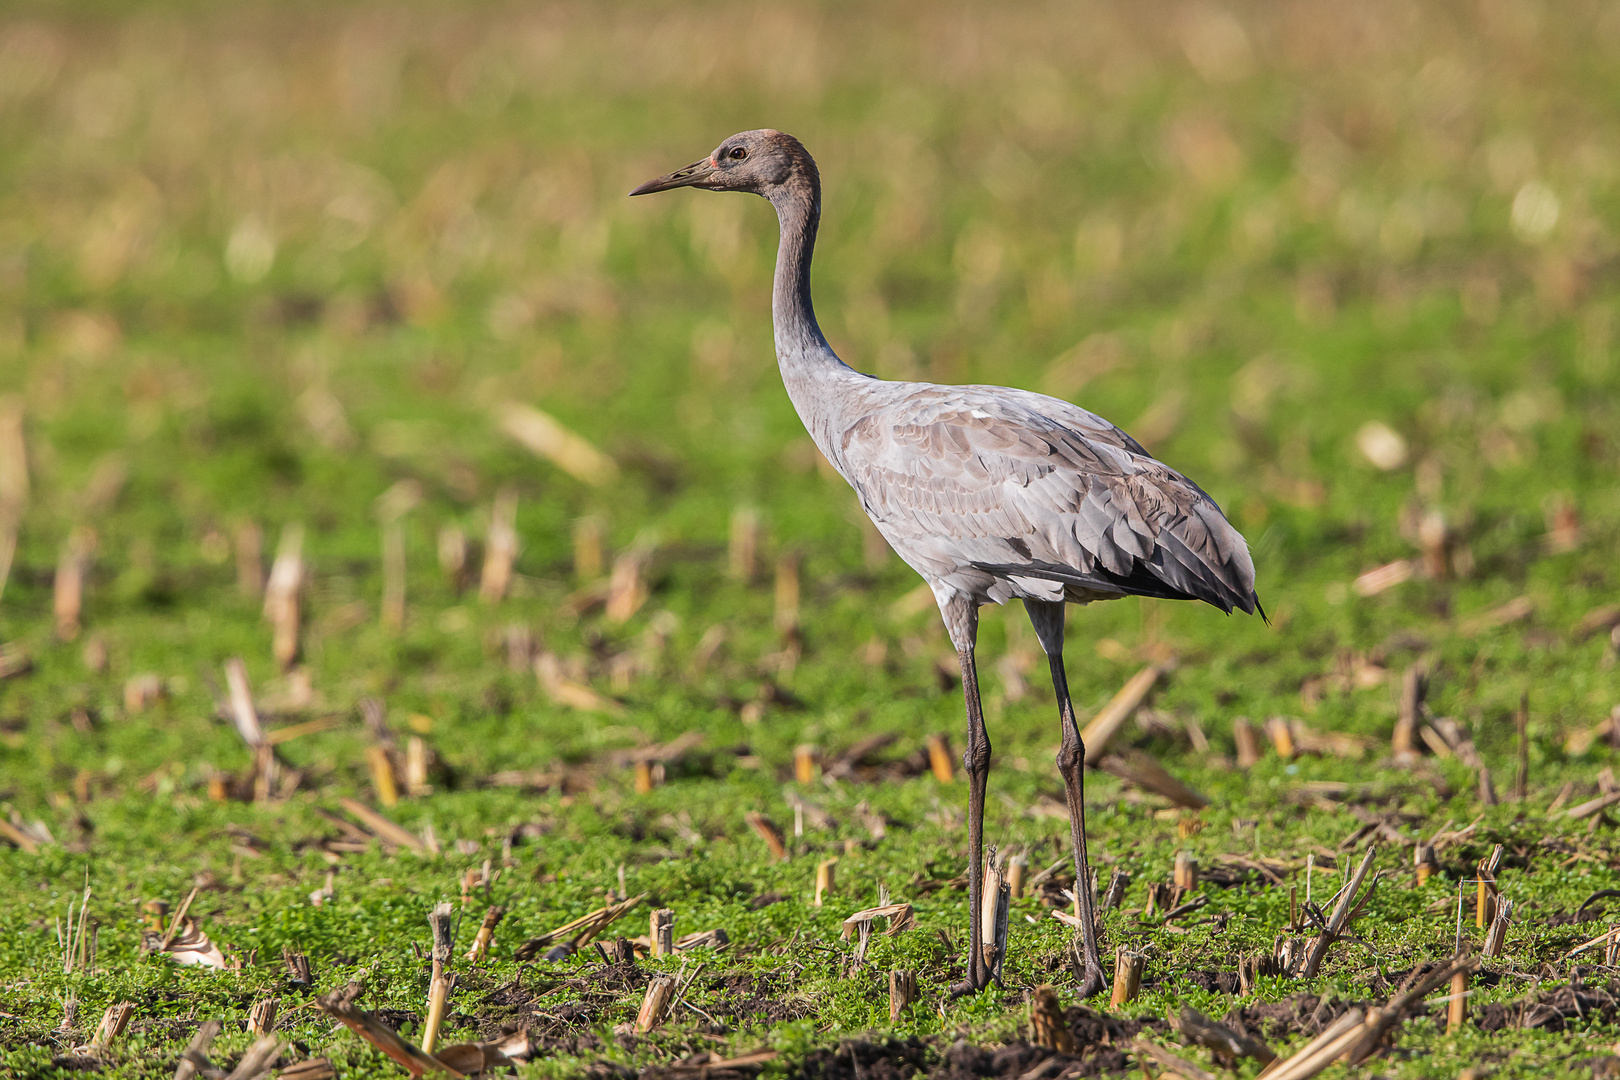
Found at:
[1071, 762]
[962, 622]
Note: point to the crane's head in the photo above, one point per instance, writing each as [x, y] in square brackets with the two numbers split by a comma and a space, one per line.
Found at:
[764, 162]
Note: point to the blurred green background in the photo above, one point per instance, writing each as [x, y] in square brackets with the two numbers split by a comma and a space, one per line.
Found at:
[1351, 267]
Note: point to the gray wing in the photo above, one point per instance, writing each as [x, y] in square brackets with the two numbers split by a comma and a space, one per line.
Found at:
[1020, 485]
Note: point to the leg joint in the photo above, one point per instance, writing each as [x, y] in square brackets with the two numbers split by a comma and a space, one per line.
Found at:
[1071, 755]
[976, 758]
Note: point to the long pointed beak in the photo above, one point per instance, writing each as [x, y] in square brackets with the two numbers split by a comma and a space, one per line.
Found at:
[693, 174]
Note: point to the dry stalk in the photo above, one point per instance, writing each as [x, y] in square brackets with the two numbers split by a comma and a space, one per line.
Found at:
[1485, 887]
[1186, 872]
[655, 1004]
[1046, 1025]
[71, 567]
[564, 448]
[627, 584]
[392, 614]
[787, 593]
[452, 550]
[281, 595]
[382, 775]
[442, 979]
[13, 481]
[262, 1017]
[1321, 1051]
[742, 549]
[1424, 862]
[804, 764]
[768, 831]
[1282, 737]
[256, 1062]
[1593, 806]
[825, 876]
[1248, 744]
[588, 555]
[1414, 687]
[249, 545]
[900, 918]
[902, 992]
[581, 930]
[1141, 769]
[297, 965]
[1118, 882]
[999, 905]
[1128, 968]
[661, 931]
[1337, 921]
[178, 920]
[1380, 1021]
[1521, 723]
[194, 1059]
[1106, 724]
[486, 933]
[1496, 936]
[1457, 1005]
[309, 1069]
[1016, 868]
[417, 758]
[1173, 1065]
[112, 1025]
[939, 758]
[501, 548]
[1227, 1044]
[340, 1006]
[386, 830]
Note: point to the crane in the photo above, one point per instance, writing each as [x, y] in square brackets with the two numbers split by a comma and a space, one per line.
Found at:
[990, 493]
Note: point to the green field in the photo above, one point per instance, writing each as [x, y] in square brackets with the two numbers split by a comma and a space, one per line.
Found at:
[270, 268]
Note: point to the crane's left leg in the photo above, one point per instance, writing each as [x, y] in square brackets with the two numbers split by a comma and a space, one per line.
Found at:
[962, 623]
[1047, 618]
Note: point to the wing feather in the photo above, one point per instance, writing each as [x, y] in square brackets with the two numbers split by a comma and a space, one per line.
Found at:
[1021, 485]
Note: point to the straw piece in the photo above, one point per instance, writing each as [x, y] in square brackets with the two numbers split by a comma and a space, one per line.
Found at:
[1177, 1065]
[1112, 716]
[768, 832]
[568, 450]
[1141, 769]
[386, 829]
[340, 1007]
[1321, 1051]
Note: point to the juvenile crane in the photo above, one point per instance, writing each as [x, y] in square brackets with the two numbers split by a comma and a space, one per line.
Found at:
[989, 493]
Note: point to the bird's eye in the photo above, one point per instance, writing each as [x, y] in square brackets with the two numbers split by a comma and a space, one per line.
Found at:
[738, 153]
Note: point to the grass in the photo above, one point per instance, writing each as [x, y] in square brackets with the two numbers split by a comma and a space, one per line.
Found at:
[260, 264]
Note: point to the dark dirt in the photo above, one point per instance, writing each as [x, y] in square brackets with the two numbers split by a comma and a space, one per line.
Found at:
[1552, 1011]
[1215, 981]
[754, 997]
[1276, 1020]
[892, 1059]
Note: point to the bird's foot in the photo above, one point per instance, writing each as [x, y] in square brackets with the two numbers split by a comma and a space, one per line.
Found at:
[1092, 982]
[967, 987]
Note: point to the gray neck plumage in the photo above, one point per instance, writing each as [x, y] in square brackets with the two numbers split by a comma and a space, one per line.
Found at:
[800, 347]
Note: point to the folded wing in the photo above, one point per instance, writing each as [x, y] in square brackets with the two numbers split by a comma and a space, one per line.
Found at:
[1033, 489]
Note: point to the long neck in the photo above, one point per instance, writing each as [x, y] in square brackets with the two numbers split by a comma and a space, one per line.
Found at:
[799, 341]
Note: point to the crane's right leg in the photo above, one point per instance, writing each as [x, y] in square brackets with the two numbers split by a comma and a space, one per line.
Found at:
[962, 622]
[1047, 618]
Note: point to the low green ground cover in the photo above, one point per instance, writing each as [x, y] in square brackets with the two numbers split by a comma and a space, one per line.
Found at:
[261, 266]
